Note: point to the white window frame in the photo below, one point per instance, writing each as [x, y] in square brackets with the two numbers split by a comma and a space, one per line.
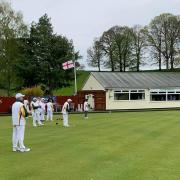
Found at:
[129, 91]
[164, 92]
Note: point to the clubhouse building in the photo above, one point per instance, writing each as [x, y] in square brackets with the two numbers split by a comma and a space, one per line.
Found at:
[135, 90]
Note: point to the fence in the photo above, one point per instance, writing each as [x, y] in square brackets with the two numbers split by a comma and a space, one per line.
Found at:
[99, 101]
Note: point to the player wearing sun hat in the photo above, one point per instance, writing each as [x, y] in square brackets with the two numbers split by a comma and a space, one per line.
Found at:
[50, 110]
[65, 110]
[43, 109]
[19, 114]
[35, 112]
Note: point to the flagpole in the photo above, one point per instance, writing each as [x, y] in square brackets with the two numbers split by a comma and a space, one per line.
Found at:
[75, 78]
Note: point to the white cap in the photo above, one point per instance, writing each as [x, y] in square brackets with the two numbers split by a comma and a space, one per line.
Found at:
[19, 95]
[69, 100]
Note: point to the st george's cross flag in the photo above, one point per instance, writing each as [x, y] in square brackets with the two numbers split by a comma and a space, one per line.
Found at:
[68, 65]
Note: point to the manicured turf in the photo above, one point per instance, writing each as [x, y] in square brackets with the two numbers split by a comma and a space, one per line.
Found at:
[117, 146]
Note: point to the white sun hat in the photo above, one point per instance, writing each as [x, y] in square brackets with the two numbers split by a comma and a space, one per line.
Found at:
[69, 100]
[19, 95]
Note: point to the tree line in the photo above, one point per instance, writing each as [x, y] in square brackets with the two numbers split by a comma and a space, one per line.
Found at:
[123, 48]
[31, 56]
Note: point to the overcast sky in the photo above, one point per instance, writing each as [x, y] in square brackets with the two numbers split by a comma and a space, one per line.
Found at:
[83, 20]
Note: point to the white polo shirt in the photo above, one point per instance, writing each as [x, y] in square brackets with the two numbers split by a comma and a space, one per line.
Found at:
[35, 104]
[65, 108]
[86, 106]
[43, 106]
[18, 114]
[49, 106]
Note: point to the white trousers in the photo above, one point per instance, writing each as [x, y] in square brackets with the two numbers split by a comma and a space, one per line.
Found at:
[18, 137]
[65, 120]
[42, 115]
[49, 115]
[36, 118]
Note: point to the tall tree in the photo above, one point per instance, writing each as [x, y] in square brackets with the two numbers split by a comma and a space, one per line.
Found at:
[118, 38]
[122, 38]
[108, 47]
[95, 54]
[12, 28]
[154, 36]
[163, 35]
[43, 55]
[139, 43]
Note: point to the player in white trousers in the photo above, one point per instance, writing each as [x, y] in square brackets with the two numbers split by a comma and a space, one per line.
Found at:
[35, 112]
[42, 110]
[39, 111]
[50, 110]
[86, 108]
[19, 114]
[65, 110]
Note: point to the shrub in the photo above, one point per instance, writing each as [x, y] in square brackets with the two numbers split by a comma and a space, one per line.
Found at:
[33, 91]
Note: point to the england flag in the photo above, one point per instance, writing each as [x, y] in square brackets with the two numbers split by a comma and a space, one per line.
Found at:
[68, 65]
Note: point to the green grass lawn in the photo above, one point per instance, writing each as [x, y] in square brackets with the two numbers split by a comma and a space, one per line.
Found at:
[117, 146]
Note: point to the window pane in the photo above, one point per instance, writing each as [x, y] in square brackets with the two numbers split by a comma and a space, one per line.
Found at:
[142, 91]
[126, 91]
[173, 97]
[137, 96]
[153, 92]
[171, 92]
[158, 97]
[133, 90]
[117, 91]
[162, 92]
[121, 96]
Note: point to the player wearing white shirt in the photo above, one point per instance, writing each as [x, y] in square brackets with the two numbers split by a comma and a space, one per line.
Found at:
[19, 114]
[86, 108]
[43, 109]
[39, 109]
[65, 110]
[35, 112]
[50, 110]
[26, 105]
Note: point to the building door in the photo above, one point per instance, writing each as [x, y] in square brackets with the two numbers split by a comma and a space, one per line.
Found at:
[90, 98]
[96, 99]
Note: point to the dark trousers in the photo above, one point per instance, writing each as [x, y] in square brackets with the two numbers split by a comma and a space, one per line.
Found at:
[85, 113]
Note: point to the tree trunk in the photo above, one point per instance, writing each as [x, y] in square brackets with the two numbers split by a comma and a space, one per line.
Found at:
[167, 64]
[137, 65]
[172, 55]
[112, 63]
[124, 67]
[99, 66]
[120, 64]
[99, 69]
[159, 60]
[120, 61]
[172, 63]
[125, 56]
[138, 61]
